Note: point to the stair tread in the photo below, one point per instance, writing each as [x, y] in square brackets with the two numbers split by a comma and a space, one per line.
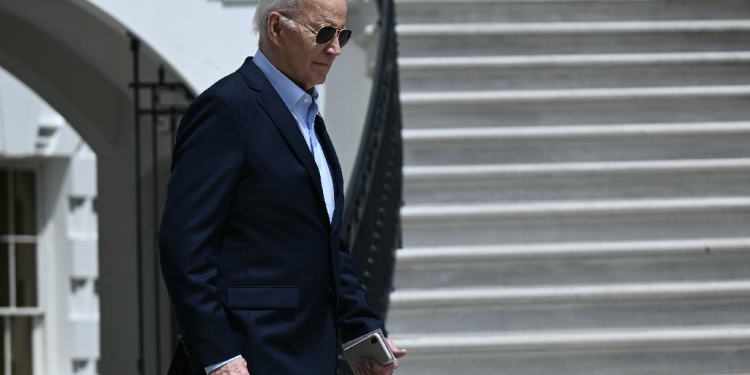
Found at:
[545, 28]
[408, 64]
[511, 209]
[519, 1]
[603, 339]
[426, 255]
[563, 131]
[442, 297]
[510, 96]
[442, 172]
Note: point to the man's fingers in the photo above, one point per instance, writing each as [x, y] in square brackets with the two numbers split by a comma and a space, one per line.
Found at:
[379, 369]
[369, 366]
[398, 353]
[364, 367]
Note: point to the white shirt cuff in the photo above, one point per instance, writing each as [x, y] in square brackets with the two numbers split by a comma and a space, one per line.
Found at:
[214, 367]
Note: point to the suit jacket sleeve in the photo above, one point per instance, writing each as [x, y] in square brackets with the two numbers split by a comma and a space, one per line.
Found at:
[206, 168]
[356, 317]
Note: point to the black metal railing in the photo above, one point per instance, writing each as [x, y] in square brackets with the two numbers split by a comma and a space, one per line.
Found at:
[372, 225]
[164, 115]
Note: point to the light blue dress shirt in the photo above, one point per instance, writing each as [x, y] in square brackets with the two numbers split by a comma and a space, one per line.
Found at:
[304, 109]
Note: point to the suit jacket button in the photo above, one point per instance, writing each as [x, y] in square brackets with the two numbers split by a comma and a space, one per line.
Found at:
[331, 293]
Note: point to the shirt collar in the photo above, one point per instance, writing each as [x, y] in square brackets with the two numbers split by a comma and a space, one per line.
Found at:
[292, 95]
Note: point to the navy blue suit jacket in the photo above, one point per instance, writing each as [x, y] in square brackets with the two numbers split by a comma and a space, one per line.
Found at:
[250, 260]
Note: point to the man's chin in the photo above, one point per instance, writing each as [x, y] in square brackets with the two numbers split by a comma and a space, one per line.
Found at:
[321, 79]
[313, 83]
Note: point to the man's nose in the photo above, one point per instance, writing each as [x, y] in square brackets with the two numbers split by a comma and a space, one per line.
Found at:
[334, 47]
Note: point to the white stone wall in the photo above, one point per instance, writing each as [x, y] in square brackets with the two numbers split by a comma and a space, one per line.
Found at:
[205, 40]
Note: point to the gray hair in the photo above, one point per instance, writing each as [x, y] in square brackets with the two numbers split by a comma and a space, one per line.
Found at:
[264, 9]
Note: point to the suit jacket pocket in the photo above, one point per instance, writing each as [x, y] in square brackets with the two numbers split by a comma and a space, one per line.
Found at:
[262, 297]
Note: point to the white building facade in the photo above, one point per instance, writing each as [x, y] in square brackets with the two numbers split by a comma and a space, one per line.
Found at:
[49, 269]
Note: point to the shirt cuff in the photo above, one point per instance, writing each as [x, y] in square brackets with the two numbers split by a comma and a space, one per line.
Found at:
[214, 367]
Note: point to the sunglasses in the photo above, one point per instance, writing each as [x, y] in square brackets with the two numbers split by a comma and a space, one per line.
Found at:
[326, 33]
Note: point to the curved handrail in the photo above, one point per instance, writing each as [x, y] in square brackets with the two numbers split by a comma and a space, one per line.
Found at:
[371, 212]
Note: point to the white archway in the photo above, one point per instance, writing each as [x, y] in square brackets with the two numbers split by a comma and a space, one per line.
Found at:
[79, 60]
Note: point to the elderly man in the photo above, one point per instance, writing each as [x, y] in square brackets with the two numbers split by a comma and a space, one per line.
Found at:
[249, 242]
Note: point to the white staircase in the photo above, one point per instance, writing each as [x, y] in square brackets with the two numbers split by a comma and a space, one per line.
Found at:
[577, 187]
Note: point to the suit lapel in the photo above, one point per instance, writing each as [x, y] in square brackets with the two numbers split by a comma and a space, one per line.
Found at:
[287, 125]
[335, 167]
[274, 106]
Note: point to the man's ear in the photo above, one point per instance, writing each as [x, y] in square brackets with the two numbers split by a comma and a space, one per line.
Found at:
[275, 28]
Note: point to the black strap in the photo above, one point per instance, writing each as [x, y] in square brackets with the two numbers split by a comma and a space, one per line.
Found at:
[180, 364]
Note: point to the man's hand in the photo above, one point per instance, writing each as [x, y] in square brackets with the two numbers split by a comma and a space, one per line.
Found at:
[369, 366]
[235, 367]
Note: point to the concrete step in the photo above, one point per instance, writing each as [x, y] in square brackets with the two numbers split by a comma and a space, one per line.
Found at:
[465, 146]
[467, 135]
[466, 184]
[556, 38]
[498, 97]
[573, 71]
[594, 263]
[416, 65]
[698, 350]
[554, 308]
[570, 221]
[477, 298]
[451, 109]
[572, 28]
[595, 340]
[454, 11]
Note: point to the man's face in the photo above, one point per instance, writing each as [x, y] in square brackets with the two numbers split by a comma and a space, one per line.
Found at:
[307, 63]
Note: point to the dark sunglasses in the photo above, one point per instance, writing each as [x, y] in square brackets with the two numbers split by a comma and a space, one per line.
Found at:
[326, 33]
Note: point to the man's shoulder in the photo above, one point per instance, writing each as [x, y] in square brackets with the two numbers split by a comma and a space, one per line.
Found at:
[238, 91]
[233, 85]
[247, 77]
[232, 90]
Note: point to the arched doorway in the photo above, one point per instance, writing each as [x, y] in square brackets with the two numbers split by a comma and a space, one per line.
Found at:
[79, 61]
